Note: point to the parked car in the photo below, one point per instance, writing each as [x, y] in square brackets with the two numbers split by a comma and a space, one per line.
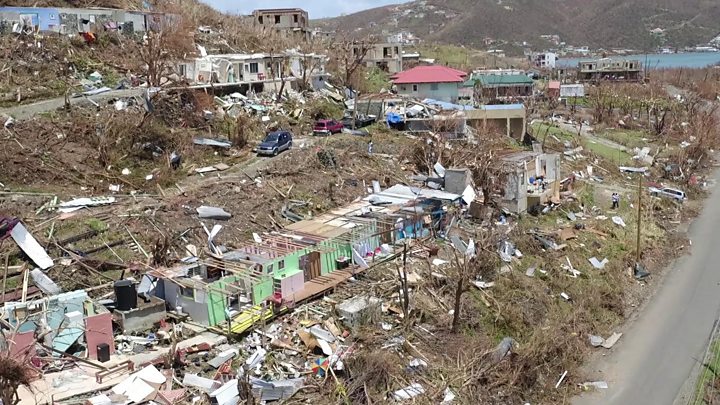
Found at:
[327, 127]
[668, 192]
[274, 143]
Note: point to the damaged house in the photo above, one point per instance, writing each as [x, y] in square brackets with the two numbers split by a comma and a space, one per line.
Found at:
[610, 70]
[502, 87]
[387, 57]
[532, 178]
[68, 323]
[508, 119]
[258, 72]
[292, 22]
[73, 21]
[274, 272]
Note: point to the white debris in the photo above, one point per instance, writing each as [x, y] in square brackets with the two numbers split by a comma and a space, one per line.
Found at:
[619, 221]
[610, 342]
[597, 263]
[30, 246]
[409, 392]
[602, 385]
[562, 378]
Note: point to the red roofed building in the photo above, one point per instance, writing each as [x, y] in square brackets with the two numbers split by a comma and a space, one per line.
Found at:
[436, 82]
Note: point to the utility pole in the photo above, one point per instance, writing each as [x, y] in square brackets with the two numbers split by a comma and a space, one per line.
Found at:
[355, 109]
[639, 219]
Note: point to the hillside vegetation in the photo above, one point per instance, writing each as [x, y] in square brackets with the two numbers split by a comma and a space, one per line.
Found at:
[596, 23]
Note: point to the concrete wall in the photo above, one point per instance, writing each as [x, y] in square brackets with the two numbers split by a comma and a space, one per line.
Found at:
[512, 121]
[142, 318]
[45, 19]
[294, 19]
[457, 180]
[448, 92]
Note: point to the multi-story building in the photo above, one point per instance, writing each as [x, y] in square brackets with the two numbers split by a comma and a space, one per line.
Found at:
[292, 21]
[385, 56]
[609, 69]
[543, 60]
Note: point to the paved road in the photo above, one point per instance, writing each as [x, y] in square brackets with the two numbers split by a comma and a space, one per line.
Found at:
[656, 355]
[23, 112]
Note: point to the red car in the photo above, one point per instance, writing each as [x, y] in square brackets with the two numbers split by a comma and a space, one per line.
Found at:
[327, 127]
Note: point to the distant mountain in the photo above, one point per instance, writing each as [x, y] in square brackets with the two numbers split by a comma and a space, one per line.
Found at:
[595, 23]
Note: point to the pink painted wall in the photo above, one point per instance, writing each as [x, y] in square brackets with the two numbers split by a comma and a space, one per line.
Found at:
[98, 329]
[22, 345]
[292, 285]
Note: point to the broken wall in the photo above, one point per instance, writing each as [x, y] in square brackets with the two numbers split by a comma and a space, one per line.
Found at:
[98, 330]
[337, 249]
[195, 306]
[515, 197]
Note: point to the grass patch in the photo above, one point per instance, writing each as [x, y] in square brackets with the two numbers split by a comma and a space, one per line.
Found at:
[704, 392]
[629, 138]
[540, 129]
[608, 153]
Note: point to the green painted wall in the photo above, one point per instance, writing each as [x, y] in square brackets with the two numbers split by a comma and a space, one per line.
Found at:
[262, 290]
[217, 300]
[328, 259]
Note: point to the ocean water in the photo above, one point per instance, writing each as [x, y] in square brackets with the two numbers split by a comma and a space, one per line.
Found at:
[660, 61]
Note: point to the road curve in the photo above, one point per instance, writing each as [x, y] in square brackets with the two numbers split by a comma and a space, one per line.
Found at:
[657, 352]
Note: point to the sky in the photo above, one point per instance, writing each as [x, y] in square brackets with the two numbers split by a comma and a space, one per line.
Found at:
[316, 8]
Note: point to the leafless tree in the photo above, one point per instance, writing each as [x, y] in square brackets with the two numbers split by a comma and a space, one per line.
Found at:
[169, 40]
[478, 260]
[349, 57]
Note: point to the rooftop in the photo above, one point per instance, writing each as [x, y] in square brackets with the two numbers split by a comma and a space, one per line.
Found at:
[278, 10]
[503, 80]
[430, 74]
[496, 107]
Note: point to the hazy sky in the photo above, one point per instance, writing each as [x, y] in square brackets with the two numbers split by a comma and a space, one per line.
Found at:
[316, 8]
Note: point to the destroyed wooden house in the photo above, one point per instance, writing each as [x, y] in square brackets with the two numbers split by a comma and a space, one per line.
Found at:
[67, 320]
[274, 272]
[532, 178]
[73, 21]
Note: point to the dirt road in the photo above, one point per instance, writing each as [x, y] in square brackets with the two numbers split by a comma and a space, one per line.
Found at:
[585, 131]
[23, 112]
[656, 355]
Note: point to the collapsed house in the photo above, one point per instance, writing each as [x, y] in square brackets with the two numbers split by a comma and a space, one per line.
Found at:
[532, 179]
[64, 321]
[272, 273]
